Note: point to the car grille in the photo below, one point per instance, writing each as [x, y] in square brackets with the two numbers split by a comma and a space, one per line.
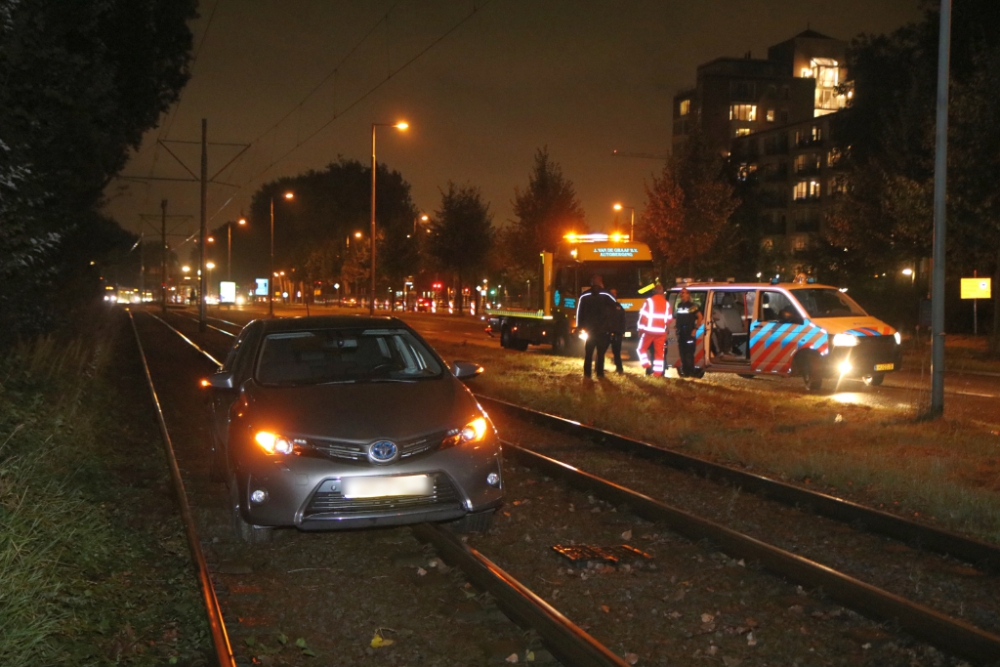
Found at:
[332, 502]
[354, 451]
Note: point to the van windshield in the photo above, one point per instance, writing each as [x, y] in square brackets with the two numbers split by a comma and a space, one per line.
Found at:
[828, 303]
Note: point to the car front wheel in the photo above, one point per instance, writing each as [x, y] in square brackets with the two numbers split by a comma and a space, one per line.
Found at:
[247, 532]
[478, 522]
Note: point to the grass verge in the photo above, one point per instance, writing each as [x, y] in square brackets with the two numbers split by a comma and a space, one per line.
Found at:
[94, 569]
[945, 472]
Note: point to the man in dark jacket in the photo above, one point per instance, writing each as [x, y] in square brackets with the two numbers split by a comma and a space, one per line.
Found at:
[595, 317]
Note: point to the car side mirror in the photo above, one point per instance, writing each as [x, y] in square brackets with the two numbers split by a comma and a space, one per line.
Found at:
[465, 370]
[222, 380]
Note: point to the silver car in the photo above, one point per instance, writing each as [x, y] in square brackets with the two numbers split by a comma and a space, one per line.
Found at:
[349, 422]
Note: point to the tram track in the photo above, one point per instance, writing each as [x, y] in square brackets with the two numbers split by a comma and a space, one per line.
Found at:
[953, 635]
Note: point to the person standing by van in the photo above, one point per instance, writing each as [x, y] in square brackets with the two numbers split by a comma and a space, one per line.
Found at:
[653, 320]
[688, 317]
[595, 315]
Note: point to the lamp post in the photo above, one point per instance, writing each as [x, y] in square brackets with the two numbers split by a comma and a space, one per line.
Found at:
[229, 246]
[399, 126]
[631, 234]
[270, 289]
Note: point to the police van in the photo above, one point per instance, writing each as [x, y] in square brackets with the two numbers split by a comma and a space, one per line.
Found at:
[802, 329]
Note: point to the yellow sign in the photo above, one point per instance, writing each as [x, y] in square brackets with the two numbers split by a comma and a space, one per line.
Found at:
[976, 288]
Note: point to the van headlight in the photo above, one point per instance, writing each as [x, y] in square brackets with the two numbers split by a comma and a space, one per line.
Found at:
[583, 335]
[272, 443]
[899, 339]
[845, 340]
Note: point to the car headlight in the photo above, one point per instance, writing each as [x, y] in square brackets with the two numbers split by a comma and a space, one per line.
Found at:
[474, 431]
[272, 443]
[845, 340]
[899, 339]
[583, 335]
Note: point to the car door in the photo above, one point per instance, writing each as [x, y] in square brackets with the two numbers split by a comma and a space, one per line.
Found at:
[729, 315]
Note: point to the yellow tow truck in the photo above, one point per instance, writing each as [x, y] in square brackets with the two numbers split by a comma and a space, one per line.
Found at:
[626, 267]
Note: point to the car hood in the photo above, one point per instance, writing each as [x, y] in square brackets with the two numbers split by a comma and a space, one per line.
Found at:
[361, 411]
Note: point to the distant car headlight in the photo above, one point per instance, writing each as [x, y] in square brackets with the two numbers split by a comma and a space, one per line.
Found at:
[845, 340]
[474, 431]
[583, 335]
[899, 339]
[272, 443]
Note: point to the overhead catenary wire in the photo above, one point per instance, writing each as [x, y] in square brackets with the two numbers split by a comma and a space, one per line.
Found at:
[356, 102]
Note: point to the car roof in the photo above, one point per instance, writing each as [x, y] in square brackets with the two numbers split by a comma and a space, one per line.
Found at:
[282, 324]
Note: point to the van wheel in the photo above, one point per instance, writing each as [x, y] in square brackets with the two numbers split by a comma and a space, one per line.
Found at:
[811, 376]
[505, 337]
[746, 376]
[874, 380]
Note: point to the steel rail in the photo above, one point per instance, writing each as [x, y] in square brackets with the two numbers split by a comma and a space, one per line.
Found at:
[220, 638]
[976, 552]
[564, 639]
[187, 340]
[924, 623]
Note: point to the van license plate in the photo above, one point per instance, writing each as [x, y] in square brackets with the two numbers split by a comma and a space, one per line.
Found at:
[884, 367]
[380, 487]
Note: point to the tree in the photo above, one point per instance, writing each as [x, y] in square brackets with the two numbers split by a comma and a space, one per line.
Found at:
[82, 82]
[687, 210]
[316, 229]
[887, 218]
[546, 211]
[461, 234]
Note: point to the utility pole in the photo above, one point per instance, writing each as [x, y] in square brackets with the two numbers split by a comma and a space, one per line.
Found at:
[203, 234]
[163, 258]
[940, 218]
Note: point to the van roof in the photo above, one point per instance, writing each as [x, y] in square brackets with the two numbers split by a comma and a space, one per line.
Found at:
[735, 286]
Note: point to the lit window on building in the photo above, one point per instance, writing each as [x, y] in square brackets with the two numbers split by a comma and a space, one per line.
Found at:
[800, 242]
[834, 157]
[806, 190]
[742, 131]
[685, 107]
[745, 170]
[826, 71]
[742, 112]
[770, 115]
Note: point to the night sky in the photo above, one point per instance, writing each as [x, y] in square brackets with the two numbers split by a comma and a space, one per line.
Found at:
[582, 77]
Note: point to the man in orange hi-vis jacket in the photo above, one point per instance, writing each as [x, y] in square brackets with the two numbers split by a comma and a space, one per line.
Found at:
[653, 320]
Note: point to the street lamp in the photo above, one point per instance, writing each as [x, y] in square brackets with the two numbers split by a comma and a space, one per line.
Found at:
[399, 126]
[422, 218]
[631, 234]
[270, 289]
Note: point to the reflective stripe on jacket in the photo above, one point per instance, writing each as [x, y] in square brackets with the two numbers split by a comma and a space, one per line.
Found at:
[655, 314]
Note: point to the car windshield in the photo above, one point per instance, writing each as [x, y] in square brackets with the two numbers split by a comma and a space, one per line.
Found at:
[828, 303]
[344, 355]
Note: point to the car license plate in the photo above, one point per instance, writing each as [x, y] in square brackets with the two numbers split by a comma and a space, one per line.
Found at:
[379, 487]
[884, 367]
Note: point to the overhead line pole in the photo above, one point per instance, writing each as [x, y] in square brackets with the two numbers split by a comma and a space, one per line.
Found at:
[940, 215]
[204, 202]
[163, 258]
